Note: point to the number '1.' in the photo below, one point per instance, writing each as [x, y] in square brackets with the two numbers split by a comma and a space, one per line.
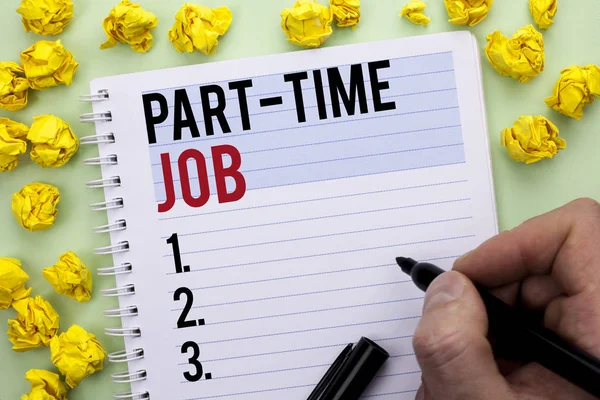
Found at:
[174, 241]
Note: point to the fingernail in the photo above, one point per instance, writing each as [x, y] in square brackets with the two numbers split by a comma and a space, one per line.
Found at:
[463, 256]
[420, 393]
[444, 289]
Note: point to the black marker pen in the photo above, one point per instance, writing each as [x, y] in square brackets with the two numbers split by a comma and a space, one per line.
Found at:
[509, 324]
[351, 372]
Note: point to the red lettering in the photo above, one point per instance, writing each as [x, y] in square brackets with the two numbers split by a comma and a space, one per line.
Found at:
[165, 160]
[221, 174]
[232, 171]
[202, 199]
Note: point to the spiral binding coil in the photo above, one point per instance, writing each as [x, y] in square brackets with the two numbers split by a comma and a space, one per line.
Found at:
[122, 269]
[124, 356]
[132, 396]
[108, 160]
[114, 181]
[124, 377]
[90, 98]
[107, 205]
[130, 311]
[105, 116]
[116, 226]
[103, 138]
[123, 332]
[121, 247]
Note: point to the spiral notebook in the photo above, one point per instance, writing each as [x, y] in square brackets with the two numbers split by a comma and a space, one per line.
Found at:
[256, 207]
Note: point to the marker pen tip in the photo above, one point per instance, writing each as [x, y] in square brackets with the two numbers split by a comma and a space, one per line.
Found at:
[406, 264]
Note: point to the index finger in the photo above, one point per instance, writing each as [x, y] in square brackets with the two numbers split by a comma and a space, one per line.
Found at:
[564, 243]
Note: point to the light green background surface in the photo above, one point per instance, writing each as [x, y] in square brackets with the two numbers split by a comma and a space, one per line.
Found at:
[522, 191]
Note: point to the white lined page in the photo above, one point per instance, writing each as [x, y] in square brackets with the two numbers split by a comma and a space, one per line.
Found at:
[303, 263]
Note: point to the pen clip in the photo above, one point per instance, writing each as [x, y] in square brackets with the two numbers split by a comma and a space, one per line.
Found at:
[331, 373]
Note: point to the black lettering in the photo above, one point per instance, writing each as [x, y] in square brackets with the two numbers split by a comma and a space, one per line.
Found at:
[320, 94]
[337, 90]
[193, 360]
[217, 111]
[173, 240]
[182, 103]
[297, 78]
[377, 86]
[241, 87]
[189, 302]
[151, 119]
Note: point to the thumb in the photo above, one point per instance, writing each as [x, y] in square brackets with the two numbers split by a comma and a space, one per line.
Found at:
[451, 345]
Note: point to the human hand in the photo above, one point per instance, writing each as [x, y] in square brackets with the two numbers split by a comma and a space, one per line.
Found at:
[550, 264]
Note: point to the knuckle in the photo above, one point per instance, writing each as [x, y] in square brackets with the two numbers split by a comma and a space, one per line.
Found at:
[438, 348]
[581, 323]
[587, 204]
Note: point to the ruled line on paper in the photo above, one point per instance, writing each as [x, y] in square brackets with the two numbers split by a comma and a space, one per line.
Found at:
[303, 275]
[229, 136]
[317, 199]
[308, 330]
[241, 246]
[399, 374]
[357, 175]
[275, 371]
[342, 177]
[322, 217]
[282, 277]
[301, 294]
[247, 171]
[267, 372]
[309, 311]
[354, 138]
[290, 388]
[306, 349]
[401, 355]
[290, 72]
[295, 387]
[252, 392]
[325, 86]
[335, 252]
[311, 88]
[390, 394]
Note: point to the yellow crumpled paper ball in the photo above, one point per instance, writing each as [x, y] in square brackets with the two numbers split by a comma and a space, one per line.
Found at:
[129, 23]
[346, 12]
[47, 64]
[45, 385]
[575, 89]
[34, 206]
[413, 11]
[307, 24]
[46, 17]
[467, 12]
[14, 88]
[12, 143]
[35, 326]
[70, 277]
[199, 27]
[532, 139]
[521, 57]
[12, 282]
[53, 142]
[543, 11]
[77, 354]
